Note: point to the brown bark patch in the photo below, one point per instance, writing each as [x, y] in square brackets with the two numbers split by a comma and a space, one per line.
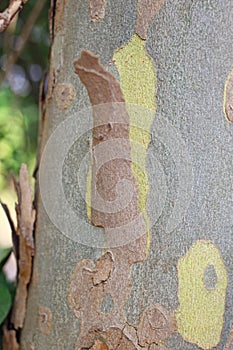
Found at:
[9, 340]
[156, 325]
[102, 86]
[99, 345]
[103, 268]
[97, 10]
[115, 339]
[64, 94]
[104, 89]
[111, 274]
[146, 11]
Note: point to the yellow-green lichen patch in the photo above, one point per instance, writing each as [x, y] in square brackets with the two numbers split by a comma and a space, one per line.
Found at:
[138, 84]
[200, 315]
[137, 73]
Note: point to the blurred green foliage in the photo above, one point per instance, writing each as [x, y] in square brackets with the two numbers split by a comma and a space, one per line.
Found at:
[19, 90]
[18, 133]
[7, 290]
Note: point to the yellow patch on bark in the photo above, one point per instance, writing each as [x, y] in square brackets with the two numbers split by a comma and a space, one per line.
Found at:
[138, 84]
[200, 316]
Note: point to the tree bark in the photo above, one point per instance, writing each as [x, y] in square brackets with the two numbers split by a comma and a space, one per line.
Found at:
[133, 237]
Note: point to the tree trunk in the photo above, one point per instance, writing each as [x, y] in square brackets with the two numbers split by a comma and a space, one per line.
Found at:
[133, 232]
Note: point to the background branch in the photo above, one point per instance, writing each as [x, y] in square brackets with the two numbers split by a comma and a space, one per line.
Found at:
[14, 55]
[7, 15]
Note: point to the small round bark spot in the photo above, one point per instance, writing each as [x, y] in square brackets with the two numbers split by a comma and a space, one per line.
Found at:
[45, 320]
[64, 94]
[210, 277]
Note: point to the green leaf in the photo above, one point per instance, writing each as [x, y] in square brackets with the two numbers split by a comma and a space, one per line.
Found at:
[4, 255]
[5, 301]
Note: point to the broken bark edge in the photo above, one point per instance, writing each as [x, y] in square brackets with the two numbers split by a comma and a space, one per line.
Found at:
[24, 252]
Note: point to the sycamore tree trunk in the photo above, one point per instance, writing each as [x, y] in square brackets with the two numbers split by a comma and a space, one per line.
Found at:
[133, 237]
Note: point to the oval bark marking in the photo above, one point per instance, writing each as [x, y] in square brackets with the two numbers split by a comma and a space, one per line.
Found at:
[146, 11]
[200, 316]
[97, 10]
[228, 98]
[64, 94]
[45, 320]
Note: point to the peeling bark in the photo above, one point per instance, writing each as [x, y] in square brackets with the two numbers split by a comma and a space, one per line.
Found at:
[228, 98]
[156, 325]
[9, 340]
[102, 88]
[95, 282]
[99, 345]
[26, 219]
[56, 16]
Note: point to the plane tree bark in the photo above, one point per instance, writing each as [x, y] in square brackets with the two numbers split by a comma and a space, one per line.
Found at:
[133, 235]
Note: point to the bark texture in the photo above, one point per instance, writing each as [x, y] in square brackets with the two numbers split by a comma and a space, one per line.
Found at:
[172, 287]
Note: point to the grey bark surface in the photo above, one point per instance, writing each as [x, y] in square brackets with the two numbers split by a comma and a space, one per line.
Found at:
[191, 46]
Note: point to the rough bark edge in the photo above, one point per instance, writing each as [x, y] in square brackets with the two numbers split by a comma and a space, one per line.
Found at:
[23, 244]
[25, 228]
[228, 98]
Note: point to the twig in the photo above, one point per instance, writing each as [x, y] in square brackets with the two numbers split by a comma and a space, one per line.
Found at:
[24, 35]
[7, 15]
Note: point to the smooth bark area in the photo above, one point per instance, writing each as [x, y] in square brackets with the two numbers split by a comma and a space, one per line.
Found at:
[182, 268]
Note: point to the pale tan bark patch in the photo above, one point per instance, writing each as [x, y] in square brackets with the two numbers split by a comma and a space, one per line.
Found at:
[97, 10]
[64, 94]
